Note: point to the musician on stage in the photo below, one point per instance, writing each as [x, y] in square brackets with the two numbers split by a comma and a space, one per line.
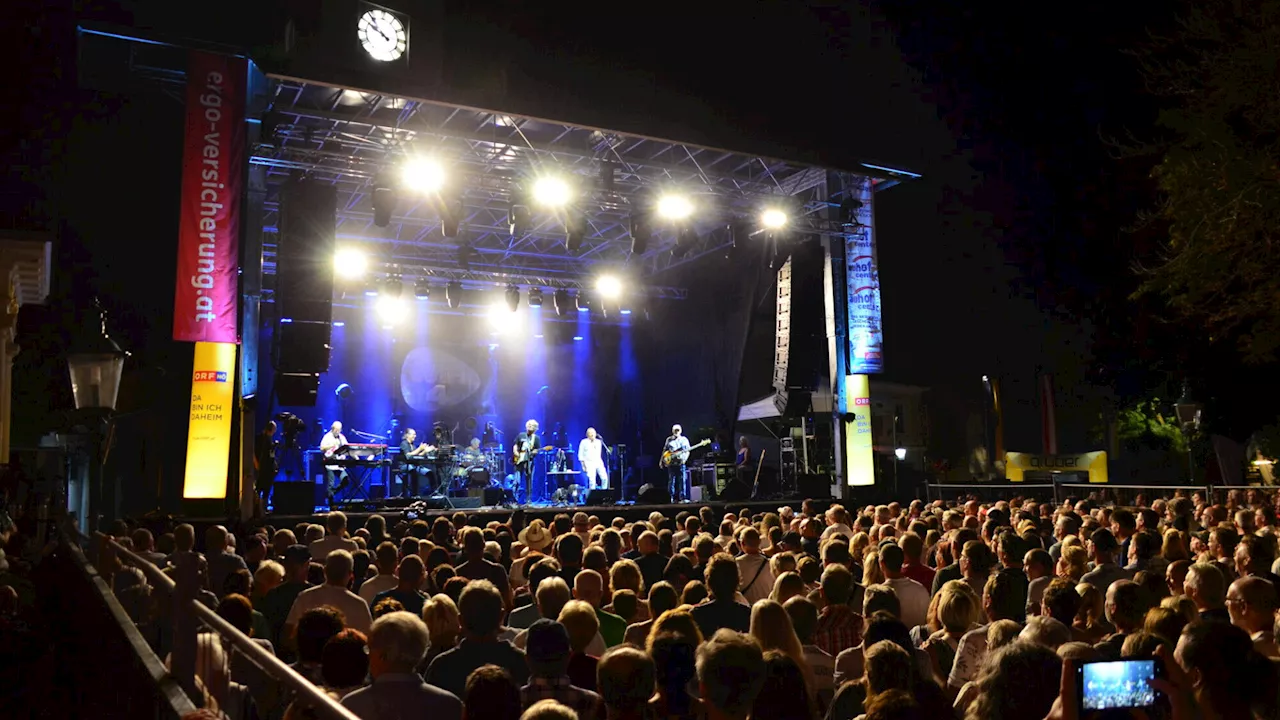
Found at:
[591, 458]
[676, 474]
[265, 463]
[411, 461]
[333, 445]
[527, 443]
[743, 462]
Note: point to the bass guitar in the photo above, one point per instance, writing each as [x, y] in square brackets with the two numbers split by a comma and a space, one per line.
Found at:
[679, 457]
[523, 456]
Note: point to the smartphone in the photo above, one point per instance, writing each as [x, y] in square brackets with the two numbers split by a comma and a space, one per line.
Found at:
[1117, 684]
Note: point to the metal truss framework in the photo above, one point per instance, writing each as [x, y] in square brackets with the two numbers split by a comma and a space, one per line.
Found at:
[357, 141]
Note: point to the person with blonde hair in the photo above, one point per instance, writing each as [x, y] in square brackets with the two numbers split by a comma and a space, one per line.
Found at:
[1090, 623]
[440, 614]
[580, 621]
[958, 613]
[872, 574]
[772, 629]
[625, 575]
[786, 586]
[1073, 564]
[678, 621]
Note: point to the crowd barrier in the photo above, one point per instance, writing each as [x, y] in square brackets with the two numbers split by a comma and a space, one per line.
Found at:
[1057, 491]
[202, 650]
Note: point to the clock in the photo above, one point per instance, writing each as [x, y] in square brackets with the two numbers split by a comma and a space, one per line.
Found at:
[382, 34]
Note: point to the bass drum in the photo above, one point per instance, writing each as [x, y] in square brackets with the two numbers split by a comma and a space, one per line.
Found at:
[478, 477]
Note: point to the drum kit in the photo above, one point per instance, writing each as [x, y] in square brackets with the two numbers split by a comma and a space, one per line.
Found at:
[472, 468]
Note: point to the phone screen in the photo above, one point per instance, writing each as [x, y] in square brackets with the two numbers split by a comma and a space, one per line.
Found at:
[1118, 684]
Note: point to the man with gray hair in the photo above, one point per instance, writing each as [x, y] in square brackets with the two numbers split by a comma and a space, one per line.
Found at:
[334, 592]
[397, 643]
[730, 674]
[1207, 588]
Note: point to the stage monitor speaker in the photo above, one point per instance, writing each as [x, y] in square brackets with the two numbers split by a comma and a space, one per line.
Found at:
[297, 389]
[814, 486]
[735, 490]
[303, 347]
[295, 498]
[651, 494]
[602, 497]
[305, 249]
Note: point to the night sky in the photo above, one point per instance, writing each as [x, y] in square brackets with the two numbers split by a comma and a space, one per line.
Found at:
[1013, 255]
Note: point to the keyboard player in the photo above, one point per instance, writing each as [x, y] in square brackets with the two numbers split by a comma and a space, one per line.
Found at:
[413, 461]
[334, 447]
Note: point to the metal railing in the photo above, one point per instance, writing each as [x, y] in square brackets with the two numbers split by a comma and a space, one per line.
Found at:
[1058, 490]
[215, 663]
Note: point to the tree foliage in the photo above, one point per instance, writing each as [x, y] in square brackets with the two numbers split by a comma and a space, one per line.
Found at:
[1144, 425]
[1219, 176]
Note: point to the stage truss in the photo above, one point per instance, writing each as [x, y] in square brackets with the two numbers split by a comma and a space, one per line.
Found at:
[357, 141]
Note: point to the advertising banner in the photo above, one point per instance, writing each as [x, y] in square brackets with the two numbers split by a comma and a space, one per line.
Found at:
[863, 276]
[209, 437]
[1017, 464]
[204, 303]
[859, 455]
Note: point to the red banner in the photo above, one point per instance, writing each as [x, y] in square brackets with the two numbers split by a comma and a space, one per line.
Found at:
[204, 305]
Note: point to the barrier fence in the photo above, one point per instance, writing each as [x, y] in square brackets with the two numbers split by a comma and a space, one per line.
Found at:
[1058, 491]
[214, 664]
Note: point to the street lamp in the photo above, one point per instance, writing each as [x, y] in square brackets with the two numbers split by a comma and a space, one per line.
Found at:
[1188, 411]
[95, 364]
[901, 453]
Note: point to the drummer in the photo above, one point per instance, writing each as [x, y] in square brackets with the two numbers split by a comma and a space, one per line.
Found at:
[473, 451]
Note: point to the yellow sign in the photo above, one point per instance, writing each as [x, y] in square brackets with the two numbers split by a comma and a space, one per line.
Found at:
[1094, 463]
[213, 386]
[859, 457]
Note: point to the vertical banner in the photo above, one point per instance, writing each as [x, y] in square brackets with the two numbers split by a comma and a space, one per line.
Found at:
[1048, 415]
[209, 437]
[204, 302]
[860, 463]
[866, 353]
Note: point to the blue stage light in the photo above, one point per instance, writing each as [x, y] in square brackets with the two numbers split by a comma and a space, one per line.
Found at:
[577, 337]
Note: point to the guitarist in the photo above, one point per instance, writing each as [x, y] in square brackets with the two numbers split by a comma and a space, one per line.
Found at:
[526, 445]
[677, 478]
[334, 447]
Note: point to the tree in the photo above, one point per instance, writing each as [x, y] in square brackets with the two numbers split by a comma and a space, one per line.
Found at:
[1219, 176]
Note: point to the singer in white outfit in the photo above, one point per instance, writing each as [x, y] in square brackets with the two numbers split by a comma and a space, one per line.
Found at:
[591, 458]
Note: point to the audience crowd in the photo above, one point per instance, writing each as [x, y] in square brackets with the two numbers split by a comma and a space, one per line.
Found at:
[929, 610]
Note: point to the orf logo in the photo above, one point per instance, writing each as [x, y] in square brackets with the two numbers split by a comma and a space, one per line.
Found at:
[210, 376]
[862, 401]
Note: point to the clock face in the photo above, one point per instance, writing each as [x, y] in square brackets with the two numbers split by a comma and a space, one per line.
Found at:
[382, 35]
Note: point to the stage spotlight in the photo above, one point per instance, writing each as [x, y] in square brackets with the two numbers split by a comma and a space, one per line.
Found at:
[423, 175]
[344, 392]
[551, 191]
[513, 298]
[639, 235]
[535, 297]
[849, 211]
[773, 219]
[561, 300]
[453, 294]
[518, 220]
[450, 219]
[674, 207]
[371, 289]
[349, 263]
[422, 290]
[392, 310]
[393, 287]
[609, 286]
[583, 302]
[504, 322]
[575, 229]
[384, 201]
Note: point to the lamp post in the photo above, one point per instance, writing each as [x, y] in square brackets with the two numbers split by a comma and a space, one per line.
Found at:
[95, 363]
[1188, 411]
[899, 454]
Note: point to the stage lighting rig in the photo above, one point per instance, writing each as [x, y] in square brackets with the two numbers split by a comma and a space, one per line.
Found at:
[518, 220]
[453, 294]
[423, 175]
[384, 201]
[371, 289]
[583, 302]
[561, 300]
[773, 219]
[513, 298]
[393, 287]
[575, 231]
[392, 310]
[422, 290]
[609, 286]
[674, 207]
[450, 219]
[849, 212]
[535, 297]
[639, 234]
[552, 191]
[349, 263]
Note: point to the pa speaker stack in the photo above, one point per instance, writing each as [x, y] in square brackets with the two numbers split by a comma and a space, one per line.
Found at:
[304, 290]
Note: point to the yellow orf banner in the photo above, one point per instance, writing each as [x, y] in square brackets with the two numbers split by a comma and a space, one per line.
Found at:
[859, 456]
[209, 437]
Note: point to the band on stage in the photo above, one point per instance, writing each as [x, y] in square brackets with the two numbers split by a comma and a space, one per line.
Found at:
[423, 468]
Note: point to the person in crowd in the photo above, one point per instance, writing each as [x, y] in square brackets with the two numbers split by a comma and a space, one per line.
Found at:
[397, 643]
[723, 609]
[958, 613]
[222, 560]
[1045, 631]
[839, 625]
[344, 662]
[1176, 576]
[1009, 553]
[582, 625]
[442, 619]
[278, 603]
[478, 567]
[385, 560]
[674, 656]
[334, 592]
[913, 598]
[785, 693]
[409, 574]
[649, 559]
[491, 693]
[1039, 568]
[804, 620]
[548, 656]
[1126, 606]
[626, 680]
[1102, 548]
[1001, 600]
[481, 608]
[1020, 680]
[522, 617]
[753, 568]
[588, 586]
[315, 627]
[662, 597]
[1207, 587]
[730, 669]
[1251, 603]
[333, 536]
[1091, 623]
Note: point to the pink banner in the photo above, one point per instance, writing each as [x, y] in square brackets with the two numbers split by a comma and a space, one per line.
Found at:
[204, 305]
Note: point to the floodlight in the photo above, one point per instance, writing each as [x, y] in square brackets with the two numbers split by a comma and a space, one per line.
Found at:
[773, 218]
[349, 263]
[535, 297]
[503, 321]
[552, 191]
[561, 300]
[422, 290]
[609, 286]
[513, 297]
[423, 175]
[674, 207]
[392, 310]
[393, 287]
[453, 294]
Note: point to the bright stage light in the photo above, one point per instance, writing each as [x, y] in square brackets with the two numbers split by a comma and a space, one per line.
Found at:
[773, 218]
[674, 207]
[609, 286]
[350, 263]
[392, 310]
[423, 175]
[551, 191]
[503, 321]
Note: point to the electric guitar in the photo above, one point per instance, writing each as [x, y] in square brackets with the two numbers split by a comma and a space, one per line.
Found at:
[679, 457]
[523, 456]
